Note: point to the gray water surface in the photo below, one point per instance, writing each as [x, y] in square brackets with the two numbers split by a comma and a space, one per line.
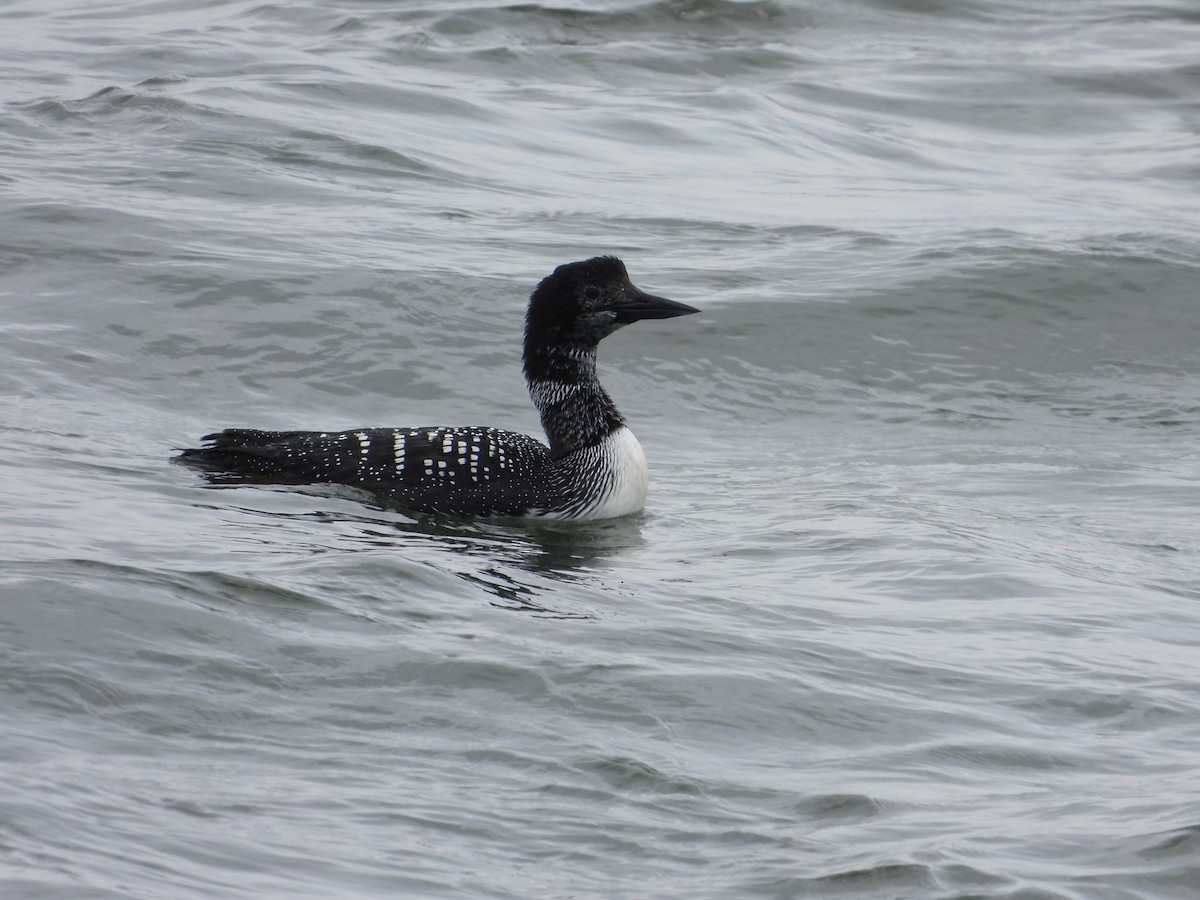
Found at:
[912, 611]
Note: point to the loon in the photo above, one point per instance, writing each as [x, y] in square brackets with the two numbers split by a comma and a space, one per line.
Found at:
[592, 468]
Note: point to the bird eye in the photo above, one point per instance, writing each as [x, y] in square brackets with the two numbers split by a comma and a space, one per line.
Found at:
[591, 292]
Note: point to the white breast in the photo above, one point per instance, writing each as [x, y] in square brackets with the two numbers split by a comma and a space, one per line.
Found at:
[624, 488]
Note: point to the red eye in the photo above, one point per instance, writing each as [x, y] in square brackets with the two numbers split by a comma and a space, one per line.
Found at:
[592, 293]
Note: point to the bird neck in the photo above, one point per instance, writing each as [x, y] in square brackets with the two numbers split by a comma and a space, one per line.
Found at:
[576, 411]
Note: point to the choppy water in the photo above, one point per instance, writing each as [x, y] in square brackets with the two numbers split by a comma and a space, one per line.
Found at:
[913, 609]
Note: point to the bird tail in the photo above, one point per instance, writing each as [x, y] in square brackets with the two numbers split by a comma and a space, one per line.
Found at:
[288, 457]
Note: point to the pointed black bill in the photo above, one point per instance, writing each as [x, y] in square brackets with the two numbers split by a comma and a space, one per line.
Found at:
[647, 306]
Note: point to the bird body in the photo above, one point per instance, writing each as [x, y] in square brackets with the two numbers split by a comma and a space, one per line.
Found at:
[592, 467]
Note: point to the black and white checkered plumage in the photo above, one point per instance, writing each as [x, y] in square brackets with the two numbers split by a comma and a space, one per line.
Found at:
[593, 468]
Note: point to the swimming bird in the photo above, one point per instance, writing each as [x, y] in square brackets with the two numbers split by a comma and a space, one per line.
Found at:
[592, 467]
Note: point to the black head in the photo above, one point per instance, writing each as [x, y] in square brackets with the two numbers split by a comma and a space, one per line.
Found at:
[581, 303]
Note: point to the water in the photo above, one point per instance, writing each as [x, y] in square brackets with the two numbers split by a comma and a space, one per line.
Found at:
[912, 611]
